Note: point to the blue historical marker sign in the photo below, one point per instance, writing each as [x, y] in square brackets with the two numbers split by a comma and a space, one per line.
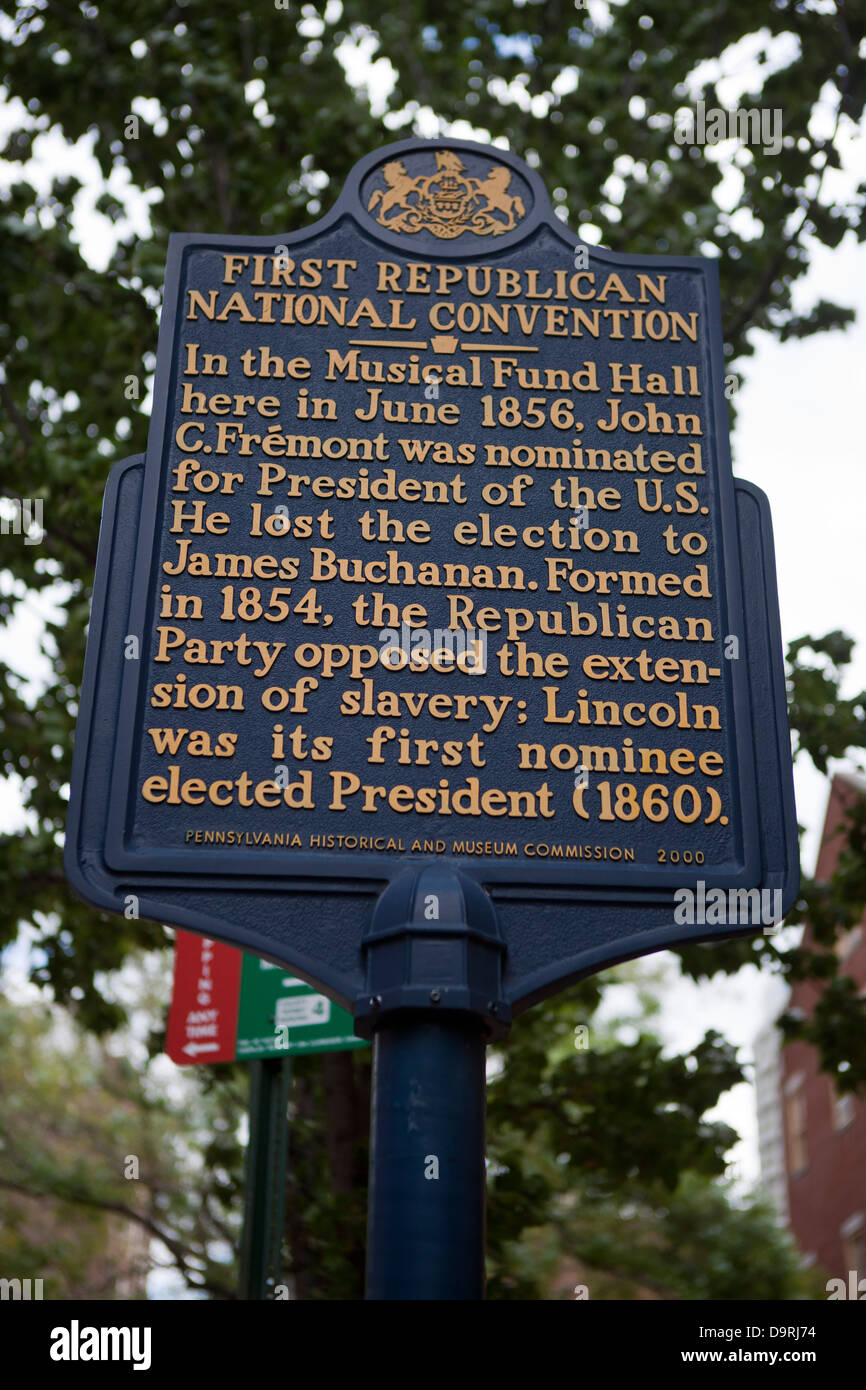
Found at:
[435, 556]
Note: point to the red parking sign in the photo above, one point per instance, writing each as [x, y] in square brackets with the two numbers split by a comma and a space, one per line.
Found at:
[203, 1019]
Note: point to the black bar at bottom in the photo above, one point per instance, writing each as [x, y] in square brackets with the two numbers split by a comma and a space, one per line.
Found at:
[426, 1213]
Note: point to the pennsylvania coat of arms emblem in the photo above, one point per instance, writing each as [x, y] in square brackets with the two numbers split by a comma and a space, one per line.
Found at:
[448, 202]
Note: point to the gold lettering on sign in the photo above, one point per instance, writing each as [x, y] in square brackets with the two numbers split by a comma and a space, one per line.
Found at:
[440, 545]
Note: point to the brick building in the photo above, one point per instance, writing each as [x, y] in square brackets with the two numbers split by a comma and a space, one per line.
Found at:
[813, 1140]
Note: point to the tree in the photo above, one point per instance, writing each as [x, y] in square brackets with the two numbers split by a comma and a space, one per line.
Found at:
[105, 1177]
[605, 1174]
[228, 119]
[699, 1242]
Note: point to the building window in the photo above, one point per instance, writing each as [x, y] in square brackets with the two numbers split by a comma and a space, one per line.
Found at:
[795, 1124]
[842, 1106]
[847, 942]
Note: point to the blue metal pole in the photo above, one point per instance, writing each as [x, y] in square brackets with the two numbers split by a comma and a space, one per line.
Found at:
[426, 1222]
[434, 995]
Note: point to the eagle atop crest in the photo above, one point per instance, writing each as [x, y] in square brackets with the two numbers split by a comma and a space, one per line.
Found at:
[449, 162]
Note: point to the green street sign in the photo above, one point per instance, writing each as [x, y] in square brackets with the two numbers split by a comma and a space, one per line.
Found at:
[280, 1015]
[229, 1005]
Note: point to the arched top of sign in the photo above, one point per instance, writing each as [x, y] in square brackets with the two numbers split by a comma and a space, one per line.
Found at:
[447, 196]
[446, 200]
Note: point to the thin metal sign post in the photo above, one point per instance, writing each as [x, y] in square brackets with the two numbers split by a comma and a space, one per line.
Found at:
[265, 1178]
[434, 958]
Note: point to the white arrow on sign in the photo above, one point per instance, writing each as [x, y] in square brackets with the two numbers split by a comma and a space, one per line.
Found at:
[192, 1049]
